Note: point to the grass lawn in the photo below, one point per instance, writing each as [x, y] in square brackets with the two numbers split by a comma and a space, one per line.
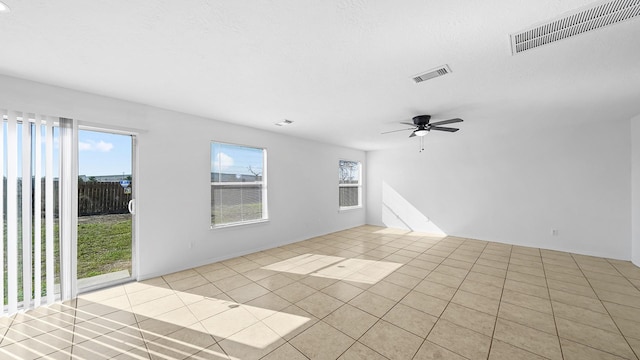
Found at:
[104, 244]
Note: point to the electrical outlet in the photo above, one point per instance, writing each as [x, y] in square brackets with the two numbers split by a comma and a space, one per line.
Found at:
[555, 232]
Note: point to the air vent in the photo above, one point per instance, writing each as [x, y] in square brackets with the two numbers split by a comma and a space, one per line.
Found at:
[284, 122]
[576, 23]
[433, 73]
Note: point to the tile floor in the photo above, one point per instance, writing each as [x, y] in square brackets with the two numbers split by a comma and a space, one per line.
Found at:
[363, 293]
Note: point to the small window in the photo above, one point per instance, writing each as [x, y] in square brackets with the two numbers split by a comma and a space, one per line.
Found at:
[350, 184]
[238, 184]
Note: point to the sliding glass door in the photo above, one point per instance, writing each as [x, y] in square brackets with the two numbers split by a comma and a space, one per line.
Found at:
[105, 209]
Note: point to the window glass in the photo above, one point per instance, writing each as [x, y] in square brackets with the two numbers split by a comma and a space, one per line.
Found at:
[349, 185]
[238, 184]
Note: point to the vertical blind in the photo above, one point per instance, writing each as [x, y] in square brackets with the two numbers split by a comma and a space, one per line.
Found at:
[28, 160]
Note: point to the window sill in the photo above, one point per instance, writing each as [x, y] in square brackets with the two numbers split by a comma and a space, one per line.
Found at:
[236, 224]
[350, 208]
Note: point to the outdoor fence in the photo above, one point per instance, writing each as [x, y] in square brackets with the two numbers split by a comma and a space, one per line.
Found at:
[94, 198]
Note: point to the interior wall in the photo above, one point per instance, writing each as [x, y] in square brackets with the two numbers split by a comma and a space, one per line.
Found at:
[514, 187]
[173, 179]
[635, 190]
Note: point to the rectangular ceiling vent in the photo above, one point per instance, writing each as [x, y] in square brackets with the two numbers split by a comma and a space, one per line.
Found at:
[576, 23]
[433, 73]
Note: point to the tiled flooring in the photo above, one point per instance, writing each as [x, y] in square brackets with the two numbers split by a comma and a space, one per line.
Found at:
[364, 293]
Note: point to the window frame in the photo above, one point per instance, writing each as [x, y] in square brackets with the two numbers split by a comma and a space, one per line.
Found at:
[263, 183]
[358, 185]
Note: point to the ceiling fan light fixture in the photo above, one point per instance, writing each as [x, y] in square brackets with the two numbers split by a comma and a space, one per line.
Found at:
[421, 132]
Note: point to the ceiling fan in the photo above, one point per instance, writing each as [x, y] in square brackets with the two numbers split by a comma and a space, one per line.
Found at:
[421, 125]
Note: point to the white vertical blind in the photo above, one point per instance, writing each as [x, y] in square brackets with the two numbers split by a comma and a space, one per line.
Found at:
[12, 212]
[37, 212]
[23, 154]
[49, 211]
[27, 265]
[68, 208]
[3, 114]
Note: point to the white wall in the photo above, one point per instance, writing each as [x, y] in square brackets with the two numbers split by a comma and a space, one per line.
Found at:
[515, 186]
[173, 200]
[635, 190]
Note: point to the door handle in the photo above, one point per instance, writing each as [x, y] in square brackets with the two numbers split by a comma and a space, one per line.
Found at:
[131, 207]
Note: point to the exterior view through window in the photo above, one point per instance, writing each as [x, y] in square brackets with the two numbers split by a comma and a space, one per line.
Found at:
[350, 185]
[238, 184]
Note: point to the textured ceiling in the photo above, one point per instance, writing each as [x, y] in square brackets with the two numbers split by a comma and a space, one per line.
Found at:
[340, 69]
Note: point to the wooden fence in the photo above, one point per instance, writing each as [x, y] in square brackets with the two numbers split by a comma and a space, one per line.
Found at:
[94, 198]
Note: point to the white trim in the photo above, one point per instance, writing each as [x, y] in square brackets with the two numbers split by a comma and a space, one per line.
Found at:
[68, 208]
[3, 114]
[12, 213]
[37, 212]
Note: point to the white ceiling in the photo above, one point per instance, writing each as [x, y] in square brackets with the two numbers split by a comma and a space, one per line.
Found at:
[340, 69]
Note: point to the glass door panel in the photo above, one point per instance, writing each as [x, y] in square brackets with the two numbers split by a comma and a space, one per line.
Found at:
[105, 222]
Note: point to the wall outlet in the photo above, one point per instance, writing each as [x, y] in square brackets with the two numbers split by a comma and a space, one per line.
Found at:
[555, 232]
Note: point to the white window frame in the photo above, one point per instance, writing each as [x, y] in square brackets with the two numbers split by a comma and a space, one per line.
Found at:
[358, 185]
[263, 183]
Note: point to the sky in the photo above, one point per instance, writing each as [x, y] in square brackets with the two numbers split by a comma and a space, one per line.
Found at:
[103, 153]
[235, 159]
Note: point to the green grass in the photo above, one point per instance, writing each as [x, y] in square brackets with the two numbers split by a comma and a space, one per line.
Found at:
[104, 247]
[235, 213]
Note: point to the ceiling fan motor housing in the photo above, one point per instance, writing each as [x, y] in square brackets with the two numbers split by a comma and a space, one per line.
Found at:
[421, 119]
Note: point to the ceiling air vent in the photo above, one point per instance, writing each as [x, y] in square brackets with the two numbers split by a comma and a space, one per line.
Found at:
[433, 73]
[577, 22]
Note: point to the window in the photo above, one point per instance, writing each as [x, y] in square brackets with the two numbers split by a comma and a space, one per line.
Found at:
[350, 184]
[238, 184]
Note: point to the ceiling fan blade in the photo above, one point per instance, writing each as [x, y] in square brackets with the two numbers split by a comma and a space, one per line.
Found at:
[450, 121]
[442, 128]
[406, 123]
[392, 131]
[412, 134]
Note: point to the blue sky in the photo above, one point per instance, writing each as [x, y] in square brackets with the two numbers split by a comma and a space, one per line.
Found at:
[103, 153]
[234, 159]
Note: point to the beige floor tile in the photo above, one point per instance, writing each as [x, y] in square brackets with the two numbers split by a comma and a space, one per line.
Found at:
[594, 337]
[425, 303]
[623, 311]
[269, 301]
[571, 288]
[574, 279]
[404, 280]
[357, 351]
[526, 278]
[290, 322]
[469, 318]
[622, 299]
[476, 302]
[247, 292]
[389, 290]
[294, 292]
[535, 271]
[604, 285]
[460, 340]
[587, 317]
[391, 341]
[373, 304]
[527, 317]
[489, 270]
[635, 345]
[525, 288]
[431, 351]
[179, 275]
[285, 352]
[577, 300]
[410, 319]
[342, 291]
[574, 351]
[503, 351]
[321, 341]
[480, 288]
[527, 338]
[232, 282]
[628, 328]
[158, 306]
[443, 279]
[527, 301]
[423, 264]
[188, 283]
[317, 283]
[275, 282]
[319, 304]
[351, 320]
[496, 281]
[253, 342]
[418, 273]
[229, 322]
[436, 290]
[148, 294]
